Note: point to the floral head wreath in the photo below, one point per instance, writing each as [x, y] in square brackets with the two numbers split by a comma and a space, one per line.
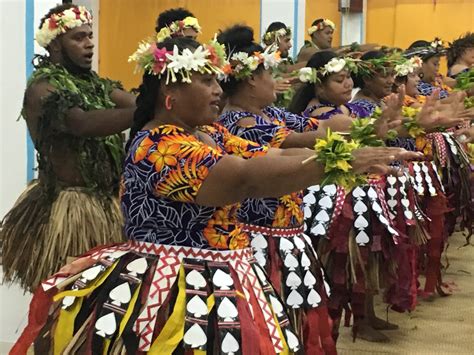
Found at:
[275, 36]
[207, 58]
[335, 65]
[175, 28]
[241, 65]
[322, 25]
[408, 66]
[369, 67]
[59, 23]
[435, 48]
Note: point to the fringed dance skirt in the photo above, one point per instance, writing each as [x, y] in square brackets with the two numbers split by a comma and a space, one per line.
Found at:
[141, 297]
[356, 241]
[294, 270]
[39, 234]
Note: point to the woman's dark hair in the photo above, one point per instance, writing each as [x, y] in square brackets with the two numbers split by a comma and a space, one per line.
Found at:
[424, 44]
[359, 78]
[418, 44]
[459, 46]
[306, 92]
[150, 87]
[167, 17]
[238, 38]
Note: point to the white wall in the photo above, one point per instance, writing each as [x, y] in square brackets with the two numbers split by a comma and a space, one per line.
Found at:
[290, 12]
[14, 41]
[13, 147]
[353, 26]
[12, 83]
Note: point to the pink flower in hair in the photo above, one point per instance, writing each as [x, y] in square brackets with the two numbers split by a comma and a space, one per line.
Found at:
[159, 55]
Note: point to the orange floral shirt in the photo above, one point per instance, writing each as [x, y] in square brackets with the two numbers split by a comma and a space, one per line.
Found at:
[164, 171]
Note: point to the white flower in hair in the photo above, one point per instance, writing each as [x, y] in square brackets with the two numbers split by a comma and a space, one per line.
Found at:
[177, 60]
[143, 47]
[240, 57]
[403, 69]
[253, 62]
[437, 43]
[335, 65]
[307, 75]
[408, 66]
[321, 25]
[270, 59]
[59, 23]
[199, 59]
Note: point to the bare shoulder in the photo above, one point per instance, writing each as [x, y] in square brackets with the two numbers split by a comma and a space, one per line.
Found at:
[321, 110]
[306, 53]
[37, 91]
[247, 122]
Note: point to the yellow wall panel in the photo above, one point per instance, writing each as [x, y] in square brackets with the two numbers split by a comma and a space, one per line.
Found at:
[123, 23]
[323, 9]
[401, 22]
[380, 21]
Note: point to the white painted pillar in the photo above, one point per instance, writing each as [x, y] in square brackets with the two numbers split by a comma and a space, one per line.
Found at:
[290, 12]
[353, 26]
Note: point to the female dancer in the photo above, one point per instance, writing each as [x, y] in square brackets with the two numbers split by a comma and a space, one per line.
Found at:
[186, 279]
[431, 79]
[357, 225]
[461, 55]
[426, 191]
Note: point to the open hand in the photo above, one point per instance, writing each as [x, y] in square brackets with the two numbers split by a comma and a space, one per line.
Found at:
[391, 117]
[376, 160]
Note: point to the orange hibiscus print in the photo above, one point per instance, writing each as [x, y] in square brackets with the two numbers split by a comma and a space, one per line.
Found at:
[165, 154]
[223, 216]
[215, 238]
[280, 137]
[295, 211]
[238, 147]
[143, 149]
[282, 217]
[238, 239]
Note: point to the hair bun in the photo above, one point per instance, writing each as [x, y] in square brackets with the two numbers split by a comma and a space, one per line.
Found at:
[237, 37]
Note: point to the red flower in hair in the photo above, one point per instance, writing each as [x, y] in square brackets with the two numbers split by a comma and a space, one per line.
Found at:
[77, 12]
[53, 24]
[213, 57]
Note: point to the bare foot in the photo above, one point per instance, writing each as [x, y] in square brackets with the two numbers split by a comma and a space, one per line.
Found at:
[380, 324]
[368, 333]
[426, 296]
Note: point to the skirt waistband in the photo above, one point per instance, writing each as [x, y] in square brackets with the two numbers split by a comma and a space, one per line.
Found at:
[273, 231]
[177, 251]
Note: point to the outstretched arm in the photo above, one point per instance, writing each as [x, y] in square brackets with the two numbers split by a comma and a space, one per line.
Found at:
[233, 179]
[94, 123]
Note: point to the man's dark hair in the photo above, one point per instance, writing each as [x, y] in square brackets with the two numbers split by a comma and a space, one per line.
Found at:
[55, 10]
[167, 17]
[275, 26]
[317, 22]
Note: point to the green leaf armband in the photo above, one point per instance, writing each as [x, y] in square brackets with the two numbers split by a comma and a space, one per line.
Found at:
[335, 153]
[411, 123]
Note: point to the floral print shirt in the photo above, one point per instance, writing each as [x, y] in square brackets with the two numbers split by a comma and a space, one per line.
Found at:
[164, 170]
[286, 211]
